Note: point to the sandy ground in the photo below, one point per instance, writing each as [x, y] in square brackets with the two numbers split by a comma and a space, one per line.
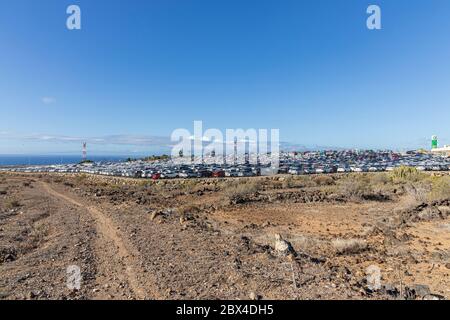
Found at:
[184, 241]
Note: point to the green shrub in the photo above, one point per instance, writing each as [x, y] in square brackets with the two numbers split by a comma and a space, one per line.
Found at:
[404, 174]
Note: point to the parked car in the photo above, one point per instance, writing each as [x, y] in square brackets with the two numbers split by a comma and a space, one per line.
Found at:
[156, 176]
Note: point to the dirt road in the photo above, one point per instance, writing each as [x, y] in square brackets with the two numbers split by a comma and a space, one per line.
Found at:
[182, 242]
[111, 249]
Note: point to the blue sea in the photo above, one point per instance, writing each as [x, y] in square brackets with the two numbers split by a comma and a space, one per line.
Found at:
[15, 160]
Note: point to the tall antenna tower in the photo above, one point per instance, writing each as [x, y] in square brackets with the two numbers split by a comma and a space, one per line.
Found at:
[247, 151]
[235, 151]
[224, 155]
[257, 155]
[84, 151]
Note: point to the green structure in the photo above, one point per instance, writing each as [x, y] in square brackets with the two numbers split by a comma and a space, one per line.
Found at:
[434, 142]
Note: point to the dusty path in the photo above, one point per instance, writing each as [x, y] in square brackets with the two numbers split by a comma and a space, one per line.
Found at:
[199, 247]
[112, 251]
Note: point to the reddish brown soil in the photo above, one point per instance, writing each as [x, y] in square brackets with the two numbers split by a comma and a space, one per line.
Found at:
[185, 241]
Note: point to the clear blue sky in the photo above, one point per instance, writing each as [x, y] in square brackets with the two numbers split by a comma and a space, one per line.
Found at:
[144, 68]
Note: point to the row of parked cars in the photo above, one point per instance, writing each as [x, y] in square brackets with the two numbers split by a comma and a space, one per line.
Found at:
[361, 161]
[298, 170]
[289, 163]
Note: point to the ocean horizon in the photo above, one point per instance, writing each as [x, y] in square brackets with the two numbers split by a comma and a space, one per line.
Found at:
[22, 159]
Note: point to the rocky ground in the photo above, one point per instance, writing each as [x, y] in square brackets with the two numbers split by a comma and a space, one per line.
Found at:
[259, 238]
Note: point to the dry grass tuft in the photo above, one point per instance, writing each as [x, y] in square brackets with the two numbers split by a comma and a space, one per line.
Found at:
[440, 188]
[323, 180]
[12, 204]
[349, 246]
[355, 187]
[240, 190]
[188, 209]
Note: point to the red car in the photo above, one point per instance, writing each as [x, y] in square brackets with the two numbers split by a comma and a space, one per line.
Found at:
[218, 174]
[156, 176]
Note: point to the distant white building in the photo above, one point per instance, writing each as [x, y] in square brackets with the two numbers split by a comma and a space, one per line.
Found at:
[434, 147]
[444, 150]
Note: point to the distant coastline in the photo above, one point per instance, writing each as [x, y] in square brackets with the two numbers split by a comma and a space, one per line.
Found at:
[20, 160]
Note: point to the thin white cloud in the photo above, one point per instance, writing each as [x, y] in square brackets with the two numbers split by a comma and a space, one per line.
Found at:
[137, 140]
[48, 100]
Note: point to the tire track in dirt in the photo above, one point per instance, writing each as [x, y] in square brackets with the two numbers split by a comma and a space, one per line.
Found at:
[108, 230]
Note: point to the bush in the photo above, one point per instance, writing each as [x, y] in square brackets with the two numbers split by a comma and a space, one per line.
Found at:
[11, 204]
[440, 188]
[406, 174]
[381, 178]
[349, 246]
[288, 183]
[323, 180]
[240, 191]
[80, 178]
[276, 185]
[68, 184]
[355, 186]
[304, 182]
[189, 185]
[188, 209]
[417, 193]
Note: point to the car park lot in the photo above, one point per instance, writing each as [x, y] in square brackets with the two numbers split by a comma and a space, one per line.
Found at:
[294, 163]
